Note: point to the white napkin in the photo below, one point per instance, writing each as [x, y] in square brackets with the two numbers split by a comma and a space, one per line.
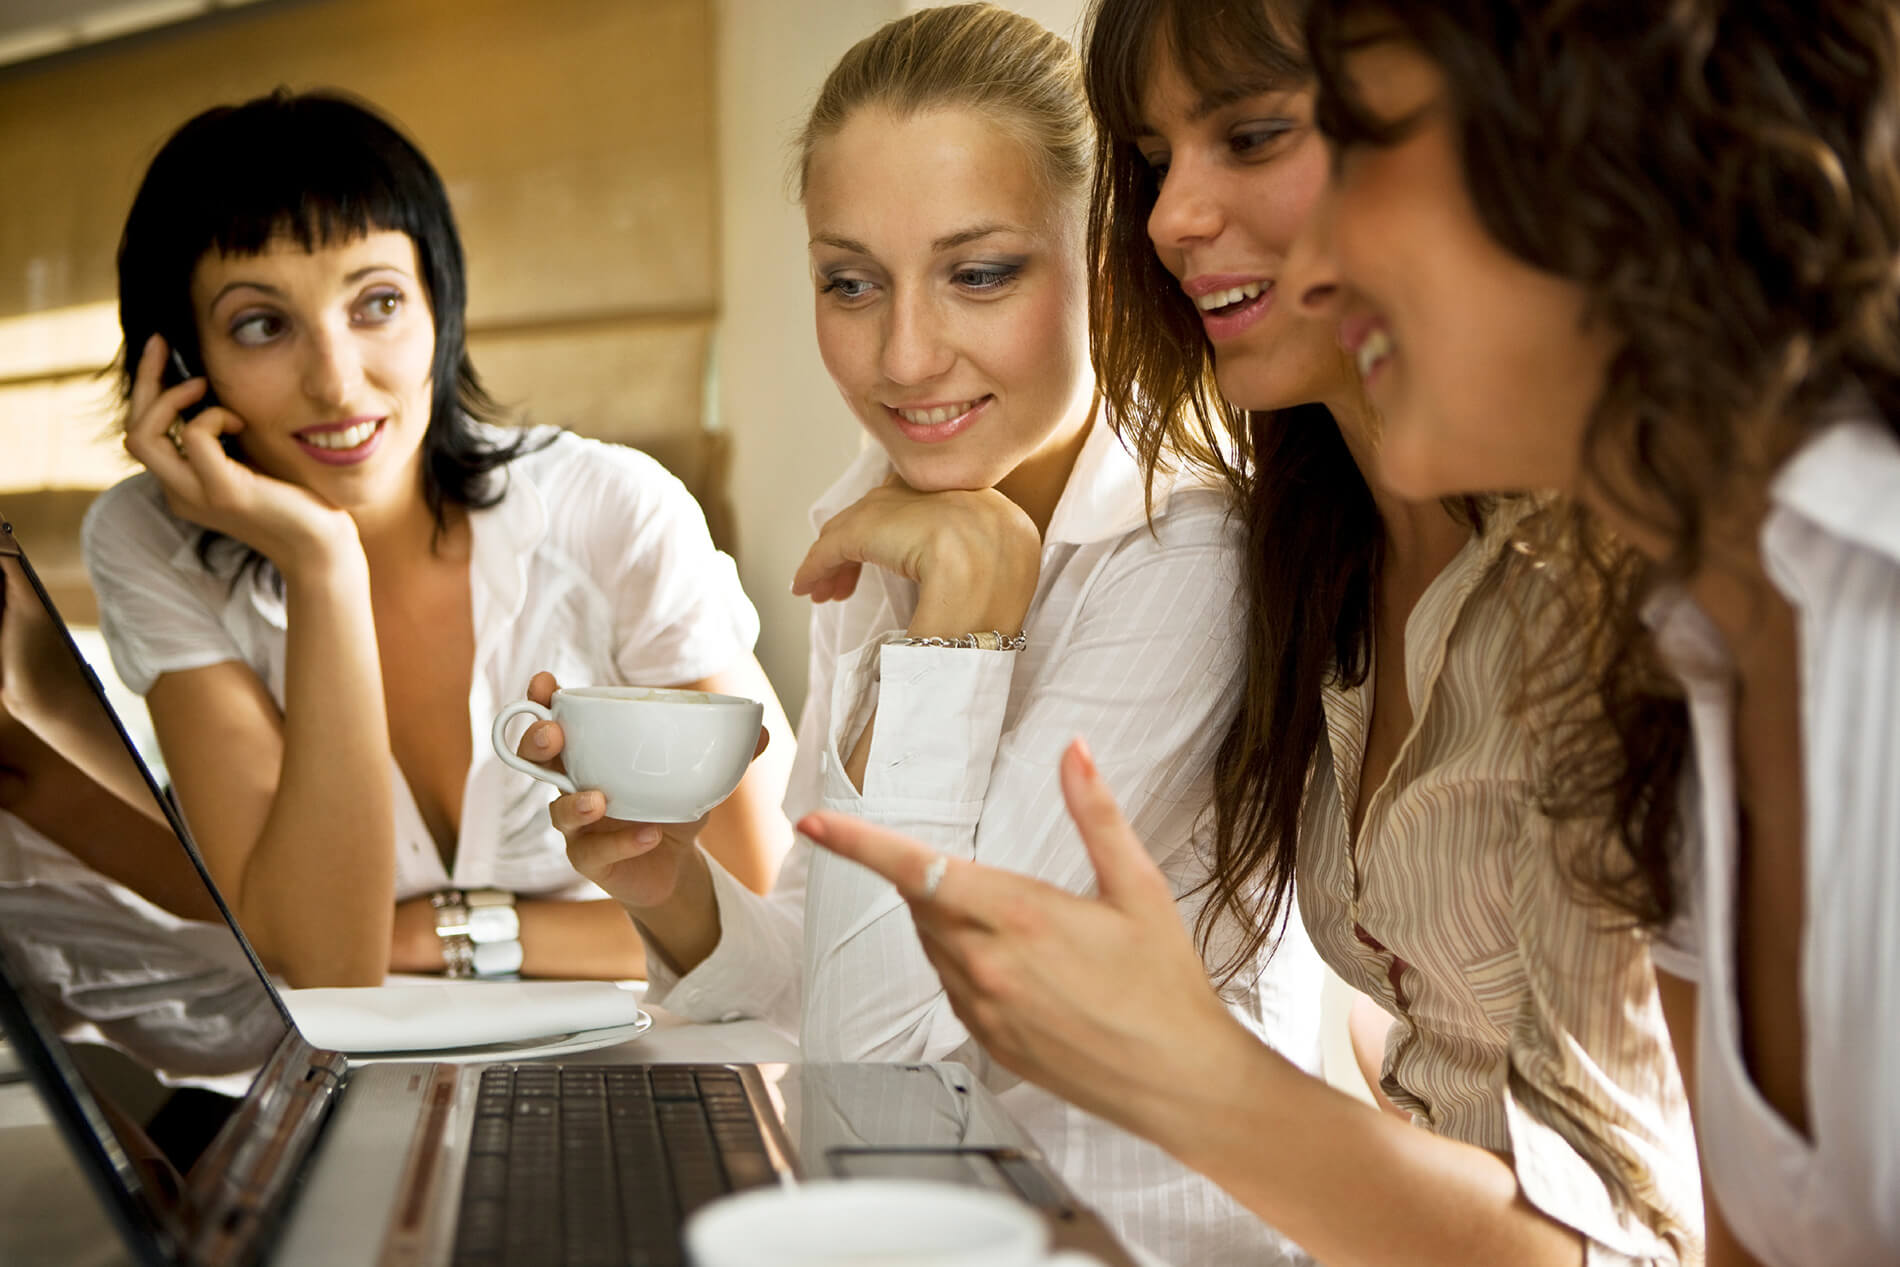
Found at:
[465, 1014]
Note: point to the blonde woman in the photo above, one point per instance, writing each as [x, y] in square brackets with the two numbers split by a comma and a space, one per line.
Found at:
[992, 577]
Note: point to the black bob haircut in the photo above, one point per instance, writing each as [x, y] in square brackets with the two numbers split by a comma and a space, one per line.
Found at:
[319, 168]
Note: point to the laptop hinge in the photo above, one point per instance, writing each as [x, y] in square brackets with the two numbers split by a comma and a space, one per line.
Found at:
[242, 1181]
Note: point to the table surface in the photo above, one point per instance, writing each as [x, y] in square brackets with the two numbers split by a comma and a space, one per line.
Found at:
[49, 1217]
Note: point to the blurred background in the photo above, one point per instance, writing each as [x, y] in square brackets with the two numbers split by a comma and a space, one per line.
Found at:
[618, 167]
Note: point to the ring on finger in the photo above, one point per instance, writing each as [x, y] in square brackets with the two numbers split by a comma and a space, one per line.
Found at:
[175, 432]
[933, 876]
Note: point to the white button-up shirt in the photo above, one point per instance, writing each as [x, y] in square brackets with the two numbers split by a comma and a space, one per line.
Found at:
[1831, 545]
[596, 565]
[1134, 642]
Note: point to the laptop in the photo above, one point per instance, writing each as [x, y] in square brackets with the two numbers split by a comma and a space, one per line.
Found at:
[212, 1133]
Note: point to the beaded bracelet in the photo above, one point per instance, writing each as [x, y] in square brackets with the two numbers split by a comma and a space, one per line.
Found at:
[994, 640]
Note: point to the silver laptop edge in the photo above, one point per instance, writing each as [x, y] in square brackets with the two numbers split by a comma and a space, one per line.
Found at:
[307, 1175]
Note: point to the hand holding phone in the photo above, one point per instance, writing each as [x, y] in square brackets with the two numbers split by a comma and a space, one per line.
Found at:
[177, 370]
[279, 519]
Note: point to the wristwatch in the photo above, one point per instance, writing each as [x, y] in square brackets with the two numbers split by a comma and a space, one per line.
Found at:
[480, 932]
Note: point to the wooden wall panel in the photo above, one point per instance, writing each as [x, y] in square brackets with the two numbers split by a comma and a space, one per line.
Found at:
[576, 137]
[577, 140]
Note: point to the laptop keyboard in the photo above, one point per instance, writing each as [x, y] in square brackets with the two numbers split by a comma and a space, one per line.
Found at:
[597, 1166]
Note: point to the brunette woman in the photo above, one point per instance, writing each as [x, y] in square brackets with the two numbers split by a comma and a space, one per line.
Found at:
[1382, 755]
[993, 575]
[1675, 242]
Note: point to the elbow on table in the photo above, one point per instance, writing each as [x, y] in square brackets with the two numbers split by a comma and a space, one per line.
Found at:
[332, 968]
[332, 961]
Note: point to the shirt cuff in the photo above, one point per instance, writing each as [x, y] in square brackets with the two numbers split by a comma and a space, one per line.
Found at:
[749, 974]
[1557, 1179]
[939, 717]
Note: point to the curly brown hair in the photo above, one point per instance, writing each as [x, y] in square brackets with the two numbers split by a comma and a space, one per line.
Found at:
[1723, 179]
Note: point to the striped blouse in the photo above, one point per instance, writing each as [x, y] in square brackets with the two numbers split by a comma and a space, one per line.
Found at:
[1527, 1022]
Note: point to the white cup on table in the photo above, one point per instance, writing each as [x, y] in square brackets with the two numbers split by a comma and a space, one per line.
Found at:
[861, 1222]
[658, 755]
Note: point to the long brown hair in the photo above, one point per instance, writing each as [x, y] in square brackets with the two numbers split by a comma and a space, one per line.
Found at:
[1724, 181]
[1313, 536]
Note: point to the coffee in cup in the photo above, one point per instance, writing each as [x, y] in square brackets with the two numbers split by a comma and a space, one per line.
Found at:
[658, 755]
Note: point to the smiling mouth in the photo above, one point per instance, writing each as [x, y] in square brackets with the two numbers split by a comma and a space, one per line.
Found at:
[341, 439]
[1221, 303]
[1376, 349]
[937, 415]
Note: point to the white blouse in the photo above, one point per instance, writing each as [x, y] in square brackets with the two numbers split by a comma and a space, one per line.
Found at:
[1831, 545]
[596, 565]
[1134, 641]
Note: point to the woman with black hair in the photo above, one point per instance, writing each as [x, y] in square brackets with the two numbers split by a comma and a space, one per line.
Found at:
[334, 571]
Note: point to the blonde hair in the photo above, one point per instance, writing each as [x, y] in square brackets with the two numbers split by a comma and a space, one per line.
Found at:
[979, 57]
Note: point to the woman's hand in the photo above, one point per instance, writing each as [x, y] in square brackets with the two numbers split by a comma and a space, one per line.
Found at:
[639, 864]
[974, 554]
[1102, 1000]
[655, 871]
[33, 659]
[285, 523]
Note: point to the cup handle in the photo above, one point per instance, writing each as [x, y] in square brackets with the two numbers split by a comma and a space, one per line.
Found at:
[507, 754]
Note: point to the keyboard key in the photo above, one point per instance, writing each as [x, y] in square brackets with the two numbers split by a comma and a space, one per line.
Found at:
[596, 1166]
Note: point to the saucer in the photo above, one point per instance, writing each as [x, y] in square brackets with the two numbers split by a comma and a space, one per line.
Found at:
[527, 1049]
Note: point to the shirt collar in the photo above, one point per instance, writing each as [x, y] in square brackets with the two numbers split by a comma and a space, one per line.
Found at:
[1846, 478]
[504, 537]
[1101, 501]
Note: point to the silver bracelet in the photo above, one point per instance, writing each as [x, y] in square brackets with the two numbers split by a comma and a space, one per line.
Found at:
[480, 932]
[994, 640]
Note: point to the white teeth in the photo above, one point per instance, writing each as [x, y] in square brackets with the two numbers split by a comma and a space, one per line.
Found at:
[934, 417]
[1222, 298]
[346, 438]
[1376, 348]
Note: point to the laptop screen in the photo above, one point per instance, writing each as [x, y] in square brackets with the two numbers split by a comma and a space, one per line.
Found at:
[128, 990]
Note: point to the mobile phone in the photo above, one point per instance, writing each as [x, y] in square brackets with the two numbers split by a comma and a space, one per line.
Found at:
[177, 370]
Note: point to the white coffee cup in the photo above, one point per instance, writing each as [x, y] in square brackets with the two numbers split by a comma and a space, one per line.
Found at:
[859, 1222]
[658, 755]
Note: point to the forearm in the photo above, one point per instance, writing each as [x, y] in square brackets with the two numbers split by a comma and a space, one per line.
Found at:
[319, 883]
[106, 834]
[685, 929]
[586, 940]
[1360, 1187]
[747, 832]
[68, 718]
